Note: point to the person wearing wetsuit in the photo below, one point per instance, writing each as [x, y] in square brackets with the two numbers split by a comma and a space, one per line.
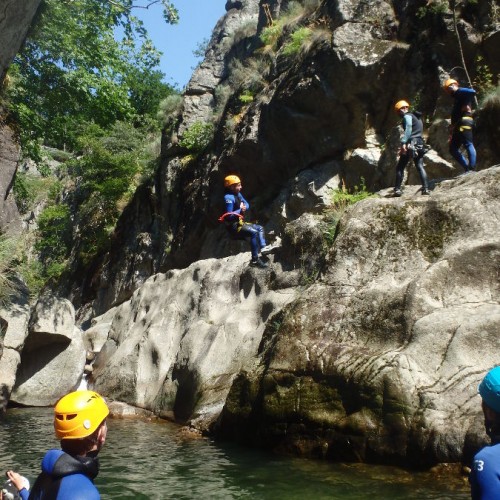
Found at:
[462, 124]
[412, 145]
[235, 208]
[68, 474]
[484, 477]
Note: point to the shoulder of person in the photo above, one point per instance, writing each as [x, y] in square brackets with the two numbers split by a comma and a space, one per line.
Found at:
[491, 452]
[77, 487]
[50, 458]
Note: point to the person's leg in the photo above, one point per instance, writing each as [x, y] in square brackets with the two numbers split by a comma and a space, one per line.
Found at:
[469, 147]
[260, 233]
[419, 163]
[455, 143]
[248, 232]
[400, 170]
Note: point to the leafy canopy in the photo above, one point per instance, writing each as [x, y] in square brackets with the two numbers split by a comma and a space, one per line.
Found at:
[74, 70]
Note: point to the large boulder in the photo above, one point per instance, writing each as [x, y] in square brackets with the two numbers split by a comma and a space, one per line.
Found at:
[381, 358]
[176, 346]
[53, 356]
[14, 319]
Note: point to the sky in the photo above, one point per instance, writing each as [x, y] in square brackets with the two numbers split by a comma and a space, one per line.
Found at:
[177, 42]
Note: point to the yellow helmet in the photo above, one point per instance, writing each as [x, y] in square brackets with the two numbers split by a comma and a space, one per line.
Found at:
[448, 83]
[230, 180]
[79, 414]
[400, 104]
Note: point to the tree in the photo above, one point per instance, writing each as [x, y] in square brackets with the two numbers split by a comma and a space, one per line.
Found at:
[72, 70]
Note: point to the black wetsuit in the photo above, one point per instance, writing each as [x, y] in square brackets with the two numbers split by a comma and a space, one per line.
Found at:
[64, 477]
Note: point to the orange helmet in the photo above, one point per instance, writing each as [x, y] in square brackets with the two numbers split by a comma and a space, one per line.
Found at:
[230, 180]
[401, 104]
[79, 414]
[448, 83]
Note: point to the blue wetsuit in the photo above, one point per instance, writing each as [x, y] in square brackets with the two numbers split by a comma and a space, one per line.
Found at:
[485, 474]
[239, 229]
[412, 137]
[64, 477]
[462, 123]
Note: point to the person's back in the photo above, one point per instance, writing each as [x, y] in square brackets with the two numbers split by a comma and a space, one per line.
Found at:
[68, 474]
[484, 477]
[485, 474]
[65, 477]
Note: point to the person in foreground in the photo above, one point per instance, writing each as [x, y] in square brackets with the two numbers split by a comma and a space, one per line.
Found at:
[234, 218]
[80, 424]
[412, 146]
[462, 124]
[485, 473]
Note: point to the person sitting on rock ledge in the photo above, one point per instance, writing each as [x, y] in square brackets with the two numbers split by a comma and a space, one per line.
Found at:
[80, 424]
[236, 206]
[485, 473]
[412, 145]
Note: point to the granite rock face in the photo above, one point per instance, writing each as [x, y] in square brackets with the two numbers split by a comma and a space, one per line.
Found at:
[53, 355]
[366, 337]
[10, 219]
[383, 355]
[329, 103]
[177, 344]
[369, 360]
[15, 19]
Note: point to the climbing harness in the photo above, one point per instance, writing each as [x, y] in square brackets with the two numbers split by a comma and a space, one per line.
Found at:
[239, 222]
[466, 123]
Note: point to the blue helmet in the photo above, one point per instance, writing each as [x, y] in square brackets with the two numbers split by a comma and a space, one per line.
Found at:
[489, 389]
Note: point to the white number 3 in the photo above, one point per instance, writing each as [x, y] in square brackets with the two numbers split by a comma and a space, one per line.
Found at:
[479, 465]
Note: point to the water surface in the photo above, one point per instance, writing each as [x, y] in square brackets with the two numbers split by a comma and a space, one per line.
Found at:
[150, 460]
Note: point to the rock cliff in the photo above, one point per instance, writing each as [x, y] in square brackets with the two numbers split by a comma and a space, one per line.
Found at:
[366, 337]
[15, 19]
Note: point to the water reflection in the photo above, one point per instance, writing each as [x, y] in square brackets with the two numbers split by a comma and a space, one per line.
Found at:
[154, 461]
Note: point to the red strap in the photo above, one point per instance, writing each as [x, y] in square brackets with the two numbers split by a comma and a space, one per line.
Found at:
[223, 216]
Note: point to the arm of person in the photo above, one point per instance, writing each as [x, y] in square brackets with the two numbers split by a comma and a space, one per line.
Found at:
[247, 205]
[466, 90]
[229, 201]
[19, 482]
[405, 139]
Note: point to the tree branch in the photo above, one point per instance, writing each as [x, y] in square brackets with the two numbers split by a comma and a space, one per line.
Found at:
[119, 5]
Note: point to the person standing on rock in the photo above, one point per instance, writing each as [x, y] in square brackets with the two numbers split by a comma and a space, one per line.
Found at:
[234, 218]
[485, 473]
[412, 146]
[68, 474]
[462, 124]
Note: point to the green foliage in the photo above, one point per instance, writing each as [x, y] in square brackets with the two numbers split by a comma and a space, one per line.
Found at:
[7, 267]
[341, 199]
[29, 190]
[197, 137]
[248, 75]
[55, 230]
[297, 40]
[201, 48]
[169, 110]
[246, 97]
[71, 70]
[433, 9]
[483, 83]
[271, 34]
